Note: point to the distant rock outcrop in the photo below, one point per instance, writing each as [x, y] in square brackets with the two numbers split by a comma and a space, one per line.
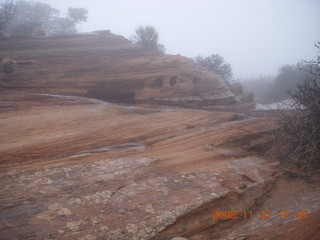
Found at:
[109, 67]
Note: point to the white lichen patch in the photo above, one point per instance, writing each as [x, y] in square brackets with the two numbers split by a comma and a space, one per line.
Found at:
[45, 181]
[39, 174]
[191, 176]
[43, 191]
[160, 219]
[95, 220]
[158, 181]
[64, 212]
[202, 175]
[67, 169]
[149, 209]
[131, 228]
[213, 194]
[105, 195]
[104, 228]
[148, 230]
[74, 225]
[180, 210]
[118, 173]
[94, 198]
[55, 206]
[89, 237]
[115, 234]
[178, 181]
[163, 189]
[142, 234]
[74, 201]
[169, 216]
[44, 216]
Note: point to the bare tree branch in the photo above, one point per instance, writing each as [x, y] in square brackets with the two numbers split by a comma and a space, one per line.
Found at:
[7, 11]
[301, 130]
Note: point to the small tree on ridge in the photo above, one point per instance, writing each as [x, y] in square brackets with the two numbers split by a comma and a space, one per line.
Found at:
[216, 63]
[148, 37]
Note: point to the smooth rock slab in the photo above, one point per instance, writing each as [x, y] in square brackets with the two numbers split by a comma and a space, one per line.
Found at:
[165, 189]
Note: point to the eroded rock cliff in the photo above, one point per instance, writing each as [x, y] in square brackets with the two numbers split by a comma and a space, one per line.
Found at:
[109, 67]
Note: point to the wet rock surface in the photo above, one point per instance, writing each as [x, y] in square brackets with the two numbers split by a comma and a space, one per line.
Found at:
[290, 211]
[111, 68]
[76, 168]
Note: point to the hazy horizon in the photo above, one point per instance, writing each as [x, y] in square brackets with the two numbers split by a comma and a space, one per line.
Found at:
[256, 37]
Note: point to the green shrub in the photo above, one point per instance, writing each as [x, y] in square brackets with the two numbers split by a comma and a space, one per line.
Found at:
[8, 65]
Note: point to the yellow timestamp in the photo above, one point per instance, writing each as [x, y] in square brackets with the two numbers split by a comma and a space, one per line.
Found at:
[265, 214]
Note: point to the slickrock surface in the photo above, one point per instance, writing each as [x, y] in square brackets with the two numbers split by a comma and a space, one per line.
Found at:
[77, 168]
[294, 210]
[109, 67]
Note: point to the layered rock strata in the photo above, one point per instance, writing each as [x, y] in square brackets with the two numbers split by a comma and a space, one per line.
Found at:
[109, 67]
[77, 168]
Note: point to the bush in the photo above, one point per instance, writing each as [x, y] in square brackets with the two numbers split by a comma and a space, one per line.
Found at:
[38, 31]
[8, 65]
[301, 128]
[215, 63]
[238, 90]
[148, 38]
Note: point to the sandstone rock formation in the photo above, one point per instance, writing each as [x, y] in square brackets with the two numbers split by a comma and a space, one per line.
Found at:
[76, 168]
[109, 67]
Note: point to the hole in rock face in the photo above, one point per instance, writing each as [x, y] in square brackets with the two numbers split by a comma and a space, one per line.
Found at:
[195, 80]
[173, 81]
[157, 83]
[112, 92]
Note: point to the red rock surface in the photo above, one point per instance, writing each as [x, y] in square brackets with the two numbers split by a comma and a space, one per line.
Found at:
[109, 67]
[294, 215]
[76, 168]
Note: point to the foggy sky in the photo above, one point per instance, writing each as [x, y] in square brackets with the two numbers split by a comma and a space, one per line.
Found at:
[255, 36]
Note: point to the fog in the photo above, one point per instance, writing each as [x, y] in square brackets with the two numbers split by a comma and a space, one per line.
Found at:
[255, 36]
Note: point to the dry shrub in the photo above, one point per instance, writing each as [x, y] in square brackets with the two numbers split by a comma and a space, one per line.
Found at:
[238, 90]
[38, 31]
[300, 128]
[8, 65]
